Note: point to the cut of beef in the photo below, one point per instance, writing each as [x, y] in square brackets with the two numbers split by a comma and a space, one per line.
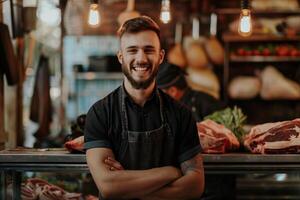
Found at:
[278, 137]
[35, 189]
[216, 138]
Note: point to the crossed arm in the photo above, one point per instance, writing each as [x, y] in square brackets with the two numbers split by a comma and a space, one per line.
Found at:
[157, 183]
[188, 186]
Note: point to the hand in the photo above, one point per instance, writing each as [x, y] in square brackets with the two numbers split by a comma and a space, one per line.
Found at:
[112, 164]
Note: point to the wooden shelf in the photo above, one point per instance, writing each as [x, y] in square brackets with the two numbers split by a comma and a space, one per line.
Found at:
[229, 37]
[234, 11]
[235, 58]
[98, 75]
[258, 99]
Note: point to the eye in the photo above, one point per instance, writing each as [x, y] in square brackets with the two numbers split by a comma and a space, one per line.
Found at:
[149, 50]
[132, 51]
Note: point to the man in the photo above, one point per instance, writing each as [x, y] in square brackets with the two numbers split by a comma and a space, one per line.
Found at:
[140, 143]
[171, 79]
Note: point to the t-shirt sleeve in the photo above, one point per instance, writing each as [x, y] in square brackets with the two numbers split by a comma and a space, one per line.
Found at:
[96, 128]
[189, 143]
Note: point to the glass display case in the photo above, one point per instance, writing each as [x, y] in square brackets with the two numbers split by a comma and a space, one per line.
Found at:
[59, 167]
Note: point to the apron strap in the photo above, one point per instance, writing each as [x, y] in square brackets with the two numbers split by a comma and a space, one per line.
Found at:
[124, 120]
[124, 117]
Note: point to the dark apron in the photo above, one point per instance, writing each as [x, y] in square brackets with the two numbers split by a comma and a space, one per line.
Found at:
[146, 149]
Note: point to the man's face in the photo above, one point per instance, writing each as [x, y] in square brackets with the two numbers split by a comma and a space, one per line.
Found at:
[140, 56]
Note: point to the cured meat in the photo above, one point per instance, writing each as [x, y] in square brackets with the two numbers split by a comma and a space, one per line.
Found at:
[276, 86]
[216, 138]
[41, 105]
[204, 80]
[129, 13]
[195, 56]
[244, 87]
[176, 56]
[278, 137]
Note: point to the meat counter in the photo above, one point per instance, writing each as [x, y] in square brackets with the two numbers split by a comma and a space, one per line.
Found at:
[14, 162]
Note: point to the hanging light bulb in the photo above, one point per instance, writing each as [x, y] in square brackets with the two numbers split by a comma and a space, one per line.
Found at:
[245, 24]
[94, 15]
[165, 14]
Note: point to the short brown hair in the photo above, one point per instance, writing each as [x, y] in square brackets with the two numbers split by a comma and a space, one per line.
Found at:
[138, 24]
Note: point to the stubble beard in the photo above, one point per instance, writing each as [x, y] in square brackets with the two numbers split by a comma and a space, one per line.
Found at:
[139, 84]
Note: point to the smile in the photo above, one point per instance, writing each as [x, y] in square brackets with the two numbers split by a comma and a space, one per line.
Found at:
[140, 68]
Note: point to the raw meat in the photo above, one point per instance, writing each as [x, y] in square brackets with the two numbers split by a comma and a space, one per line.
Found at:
[278, 137]
[35, 189]
[216, 138]
[76, 144]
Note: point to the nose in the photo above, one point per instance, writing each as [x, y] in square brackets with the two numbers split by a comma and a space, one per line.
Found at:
[141, 56]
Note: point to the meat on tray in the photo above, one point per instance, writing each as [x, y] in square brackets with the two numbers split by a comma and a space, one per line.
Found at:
[216, 138]
[277, 137]
[35, 189]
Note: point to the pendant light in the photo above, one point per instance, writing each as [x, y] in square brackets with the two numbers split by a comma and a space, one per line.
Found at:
[165, 13]
[94, 15]
[245, 24]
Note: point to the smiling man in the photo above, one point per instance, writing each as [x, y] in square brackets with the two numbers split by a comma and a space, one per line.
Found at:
[140, 143]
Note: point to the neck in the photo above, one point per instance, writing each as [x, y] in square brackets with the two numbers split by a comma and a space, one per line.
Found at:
[139, 96]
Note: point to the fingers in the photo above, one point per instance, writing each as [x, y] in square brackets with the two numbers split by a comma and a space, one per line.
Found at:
[113, 164]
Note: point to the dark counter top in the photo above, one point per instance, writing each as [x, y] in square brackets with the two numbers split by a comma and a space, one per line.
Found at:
[51, 155]
[61, 159]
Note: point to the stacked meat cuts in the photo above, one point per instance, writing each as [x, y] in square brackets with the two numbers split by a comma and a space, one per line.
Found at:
[35, 189]
[278, 137]
[216, 138]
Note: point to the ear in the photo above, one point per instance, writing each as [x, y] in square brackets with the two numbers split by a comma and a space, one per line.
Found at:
[120, 57]
[161, 55]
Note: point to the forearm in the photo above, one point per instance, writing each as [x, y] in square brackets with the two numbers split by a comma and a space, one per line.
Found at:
[135, 183]
[187, 187]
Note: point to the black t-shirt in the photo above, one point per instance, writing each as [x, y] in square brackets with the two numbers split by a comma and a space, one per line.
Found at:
[103, 123]
[200, 103]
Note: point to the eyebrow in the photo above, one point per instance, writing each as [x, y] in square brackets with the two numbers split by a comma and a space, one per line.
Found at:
[145, 47]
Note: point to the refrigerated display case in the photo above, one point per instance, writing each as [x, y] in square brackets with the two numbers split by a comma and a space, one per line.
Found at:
[16, 164]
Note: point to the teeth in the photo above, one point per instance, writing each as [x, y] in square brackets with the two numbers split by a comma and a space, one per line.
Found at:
[140, 68]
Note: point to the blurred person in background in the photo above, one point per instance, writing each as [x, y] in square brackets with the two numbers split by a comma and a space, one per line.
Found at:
[171, 79]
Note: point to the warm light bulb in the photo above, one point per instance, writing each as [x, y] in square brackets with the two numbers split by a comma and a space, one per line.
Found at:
[165, 14]
[94, 15]
[245, 25]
